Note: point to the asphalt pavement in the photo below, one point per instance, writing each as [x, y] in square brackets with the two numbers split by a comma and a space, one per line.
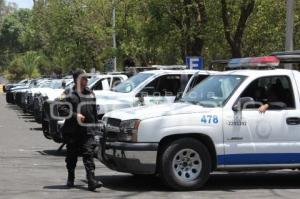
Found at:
[31, 167]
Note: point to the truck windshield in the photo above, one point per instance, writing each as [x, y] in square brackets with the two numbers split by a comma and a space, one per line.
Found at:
[133, 82]
[44, 84]
[92, 81]
[56, 84]
[214, 91]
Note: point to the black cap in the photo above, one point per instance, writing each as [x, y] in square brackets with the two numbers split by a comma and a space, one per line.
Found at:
[77, 73]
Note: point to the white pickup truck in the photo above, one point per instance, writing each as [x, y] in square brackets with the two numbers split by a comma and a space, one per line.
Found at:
[147, 88]
[216, 126]
[51, 127]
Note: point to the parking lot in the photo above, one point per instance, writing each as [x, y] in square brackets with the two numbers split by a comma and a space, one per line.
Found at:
[30, 167]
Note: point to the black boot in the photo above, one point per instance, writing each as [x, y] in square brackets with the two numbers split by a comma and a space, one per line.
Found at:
[71, 177]
[92, 182]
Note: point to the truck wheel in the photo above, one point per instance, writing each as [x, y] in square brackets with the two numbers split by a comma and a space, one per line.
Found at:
[185, 164]
[46, 130]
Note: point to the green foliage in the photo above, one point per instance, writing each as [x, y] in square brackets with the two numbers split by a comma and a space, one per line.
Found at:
[15, 71]
[57, 36]
[24, 66]
[30, 62]
[71, 33]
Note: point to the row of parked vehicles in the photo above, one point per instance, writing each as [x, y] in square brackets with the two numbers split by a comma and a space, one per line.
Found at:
[36, 96]
[184, 124]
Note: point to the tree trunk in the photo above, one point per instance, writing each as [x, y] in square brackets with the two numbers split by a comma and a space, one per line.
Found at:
[235, 40]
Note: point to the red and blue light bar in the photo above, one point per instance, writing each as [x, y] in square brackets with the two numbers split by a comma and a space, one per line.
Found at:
[254, 62]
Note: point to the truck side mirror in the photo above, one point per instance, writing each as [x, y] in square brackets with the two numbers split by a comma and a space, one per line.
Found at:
[239, 105]
[140, 97]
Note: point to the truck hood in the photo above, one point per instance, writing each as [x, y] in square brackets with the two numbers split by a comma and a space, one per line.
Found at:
[110, 95]
[108, 101]
[39, 90]
[53, 94]
[147, 112]
[19, 88]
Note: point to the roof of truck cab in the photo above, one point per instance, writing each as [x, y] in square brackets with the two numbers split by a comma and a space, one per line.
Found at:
[109, 75]
[157, 72]
[258, 73]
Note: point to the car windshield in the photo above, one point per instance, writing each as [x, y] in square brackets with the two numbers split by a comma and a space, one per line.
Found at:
[133, 82]
[214, 91]
[24, 81]
[71, 85]
[56, 84]
[92, 80]
[35, 83]
[44, 84]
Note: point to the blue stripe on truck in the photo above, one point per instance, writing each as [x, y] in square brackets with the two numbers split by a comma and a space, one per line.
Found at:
[259, 158]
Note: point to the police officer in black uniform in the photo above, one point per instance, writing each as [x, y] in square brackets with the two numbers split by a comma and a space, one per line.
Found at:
[80, 128]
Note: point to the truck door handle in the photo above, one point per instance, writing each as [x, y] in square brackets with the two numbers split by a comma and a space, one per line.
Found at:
[293, 120]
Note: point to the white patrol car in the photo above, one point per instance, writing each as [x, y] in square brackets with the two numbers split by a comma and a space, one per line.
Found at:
[96, 82]
[216, 126]
[147, 88]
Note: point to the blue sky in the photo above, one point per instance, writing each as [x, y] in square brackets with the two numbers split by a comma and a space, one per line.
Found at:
[22, 3]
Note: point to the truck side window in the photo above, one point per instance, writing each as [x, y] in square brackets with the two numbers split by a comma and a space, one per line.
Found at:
[99, 85]
[276, 91]
[197, 79]
[166, 85]
[116, 81]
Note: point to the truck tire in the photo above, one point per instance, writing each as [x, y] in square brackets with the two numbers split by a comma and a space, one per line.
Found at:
[185, 164]
[46, 130]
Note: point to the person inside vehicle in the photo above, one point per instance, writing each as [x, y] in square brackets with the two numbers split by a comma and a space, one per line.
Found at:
[273, 99]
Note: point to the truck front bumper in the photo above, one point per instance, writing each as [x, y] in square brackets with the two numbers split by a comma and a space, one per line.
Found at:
[135, 158]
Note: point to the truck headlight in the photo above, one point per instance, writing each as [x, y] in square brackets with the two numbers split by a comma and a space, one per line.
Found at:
[129, 130]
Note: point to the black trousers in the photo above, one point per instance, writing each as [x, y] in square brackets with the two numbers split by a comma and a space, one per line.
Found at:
[81, 145]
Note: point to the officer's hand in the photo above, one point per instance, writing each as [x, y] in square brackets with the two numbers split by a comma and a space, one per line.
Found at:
[80, 117]
[263, 108]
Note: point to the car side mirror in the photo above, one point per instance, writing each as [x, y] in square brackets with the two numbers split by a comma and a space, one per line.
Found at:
[239, 105]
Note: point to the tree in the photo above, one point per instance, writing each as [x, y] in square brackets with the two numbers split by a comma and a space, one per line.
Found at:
[77, 33]
[235, 39]
[15, 70]
[72, 33]
[5, 10]
[30, 62]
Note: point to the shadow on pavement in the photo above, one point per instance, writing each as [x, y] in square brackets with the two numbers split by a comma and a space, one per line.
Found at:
[217, 182]
[12, 106]
[26, 116]
[64, 187]
[36, 129]
[53, 152]
[254, 180]
[132, 183]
